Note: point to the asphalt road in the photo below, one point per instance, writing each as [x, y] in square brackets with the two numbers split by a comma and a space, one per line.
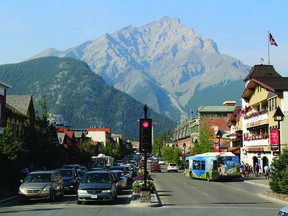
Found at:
[179, 195]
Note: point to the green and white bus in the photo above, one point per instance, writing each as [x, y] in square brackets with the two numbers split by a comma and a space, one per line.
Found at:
[214, 166]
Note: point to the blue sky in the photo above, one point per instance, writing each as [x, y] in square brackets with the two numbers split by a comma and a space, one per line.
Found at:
[238, 27]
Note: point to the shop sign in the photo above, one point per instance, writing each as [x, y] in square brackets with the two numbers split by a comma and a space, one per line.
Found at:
[256, 149]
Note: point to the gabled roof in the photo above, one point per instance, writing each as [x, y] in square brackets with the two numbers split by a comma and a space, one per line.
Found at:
[21, 103]
[273, 84]
[262, 71]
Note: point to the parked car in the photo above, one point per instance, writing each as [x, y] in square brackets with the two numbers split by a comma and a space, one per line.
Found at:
[97, 186]
[172, 167]
[161, 162]
[155, 167]
[70, 180]
[41, 185]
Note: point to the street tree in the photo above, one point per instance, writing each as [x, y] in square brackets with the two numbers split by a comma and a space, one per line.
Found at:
[205, 143]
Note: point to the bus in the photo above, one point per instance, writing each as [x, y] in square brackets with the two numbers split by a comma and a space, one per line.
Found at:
[102, 161]
[214, 166]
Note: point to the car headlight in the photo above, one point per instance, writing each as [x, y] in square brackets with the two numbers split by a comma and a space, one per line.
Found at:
[107, 190]
[81, 191]
[45, 189]
[22, 190]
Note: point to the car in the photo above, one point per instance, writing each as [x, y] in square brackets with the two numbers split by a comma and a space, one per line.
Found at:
[161, 162]
[70, 180]
[172, 167]
[41, 185]
[97, 186]
[118, 181]
[71, 166]
[125, 169]
[155, 167]
[123, 178]
[283, 211]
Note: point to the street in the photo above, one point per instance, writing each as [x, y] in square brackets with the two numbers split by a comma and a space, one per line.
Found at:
[179, 195]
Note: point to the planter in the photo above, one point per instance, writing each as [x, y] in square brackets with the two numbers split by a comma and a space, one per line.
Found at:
[137, 190]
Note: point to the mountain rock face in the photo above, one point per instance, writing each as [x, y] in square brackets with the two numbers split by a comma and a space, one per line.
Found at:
[79, 97]
[162, 64]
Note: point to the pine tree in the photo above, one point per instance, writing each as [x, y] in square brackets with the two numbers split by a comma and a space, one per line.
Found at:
[279, 178]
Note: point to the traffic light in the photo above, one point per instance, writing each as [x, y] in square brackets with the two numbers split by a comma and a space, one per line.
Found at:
[145, 141]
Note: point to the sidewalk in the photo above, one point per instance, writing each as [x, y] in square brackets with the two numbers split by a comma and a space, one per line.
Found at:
[261, 181]
[137, 202]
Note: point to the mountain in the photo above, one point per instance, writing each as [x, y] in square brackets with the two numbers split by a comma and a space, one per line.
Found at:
[162, 64]
[79, 97]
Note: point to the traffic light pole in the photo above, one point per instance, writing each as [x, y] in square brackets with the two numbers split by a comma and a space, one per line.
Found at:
[145, 154]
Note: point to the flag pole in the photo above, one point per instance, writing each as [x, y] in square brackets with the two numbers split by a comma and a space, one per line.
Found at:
[268, 49]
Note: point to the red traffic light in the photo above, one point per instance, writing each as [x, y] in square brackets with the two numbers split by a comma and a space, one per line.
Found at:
[145, 124]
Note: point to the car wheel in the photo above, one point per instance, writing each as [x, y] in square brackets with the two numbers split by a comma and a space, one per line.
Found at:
[207, 177]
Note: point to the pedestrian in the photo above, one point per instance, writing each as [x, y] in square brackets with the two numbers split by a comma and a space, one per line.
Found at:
[256, 169]
[266, 172]
[250, 171]
[271, 170]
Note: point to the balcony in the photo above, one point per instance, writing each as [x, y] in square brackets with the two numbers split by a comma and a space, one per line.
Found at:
[260, 115]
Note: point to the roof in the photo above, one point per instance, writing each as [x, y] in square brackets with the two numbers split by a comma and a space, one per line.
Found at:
[214, 109]
[20, 102]
[273, 84]
[4, 86]
[262, 71]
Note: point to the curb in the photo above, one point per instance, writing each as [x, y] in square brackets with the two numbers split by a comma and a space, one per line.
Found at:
[136, 201]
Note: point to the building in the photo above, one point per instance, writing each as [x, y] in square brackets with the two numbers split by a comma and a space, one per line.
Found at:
[216, 118]
[19, 109]
[3, 90]
[265, 90]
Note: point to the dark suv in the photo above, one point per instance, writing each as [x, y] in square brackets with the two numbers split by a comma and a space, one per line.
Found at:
[41, 185]
[70, 180]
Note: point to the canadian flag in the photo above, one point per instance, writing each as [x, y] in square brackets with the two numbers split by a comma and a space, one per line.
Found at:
[272, 40]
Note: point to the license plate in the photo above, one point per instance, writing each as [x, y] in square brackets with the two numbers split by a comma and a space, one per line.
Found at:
[94, 196]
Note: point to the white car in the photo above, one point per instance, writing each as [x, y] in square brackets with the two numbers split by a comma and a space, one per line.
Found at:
[172, 167]
[161, 162]
[283, 211]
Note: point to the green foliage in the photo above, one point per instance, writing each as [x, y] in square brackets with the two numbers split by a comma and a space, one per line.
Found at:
[171, 155]
[205, 143]
[79, 96]
[9, 147]
[279, 178]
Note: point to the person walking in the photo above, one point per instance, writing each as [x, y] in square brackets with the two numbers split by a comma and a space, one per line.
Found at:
[266, 172]
[256, 169]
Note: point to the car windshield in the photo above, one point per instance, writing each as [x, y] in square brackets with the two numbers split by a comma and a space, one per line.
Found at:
[96, 178]
[42, 177]
[66, 173]
[172, 164]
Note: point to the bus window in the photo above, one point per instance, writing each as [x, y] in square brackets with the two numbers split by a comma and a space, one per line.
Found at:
[202, 165]
[196, 165]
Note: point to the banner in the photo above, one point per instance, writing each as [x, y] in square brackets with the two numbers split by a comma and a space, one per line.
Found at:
[216, 147]
[274, 137]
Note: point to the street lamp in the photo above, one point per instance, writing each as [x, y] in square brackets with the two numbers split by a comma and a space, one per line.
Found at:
[278, 116]
[184, 146]
[219, 136]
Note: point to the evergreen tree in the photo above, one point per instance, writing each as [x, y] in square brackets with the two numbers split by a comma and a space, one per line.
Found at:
[279, 178]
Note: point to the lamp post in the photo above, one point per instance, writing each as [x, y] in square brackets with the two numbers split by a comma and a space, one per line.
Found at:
[278, 116]
[219, 136]
[184, 157]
